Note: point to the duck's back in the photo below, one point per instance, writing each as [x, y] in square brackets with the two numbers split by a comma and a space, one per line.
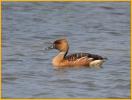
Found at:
[84, 59]
[75, 56]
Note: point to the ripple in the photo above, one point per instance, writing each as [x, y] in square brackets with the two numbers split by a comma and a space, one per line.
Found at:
[13, 60]
[122, 86]
[63, 81]
[107, 7]
[19, 54]
[42, 37]
[40, 59]
[115, 33]
[9, 78]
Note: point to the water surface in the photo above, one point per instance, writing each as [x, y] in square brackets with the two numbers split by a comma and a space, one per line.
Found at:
[100, 28]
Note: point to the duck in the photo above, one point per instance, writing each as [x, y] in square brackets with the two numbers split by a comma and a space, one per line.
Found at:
[63, 60]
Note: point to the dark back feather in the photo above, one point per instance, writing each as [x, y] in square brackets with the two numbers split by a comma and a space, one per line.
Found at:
[76, 56]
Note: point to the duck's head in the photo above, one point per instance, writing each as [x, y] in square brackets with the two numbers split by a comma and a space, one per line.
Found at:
[61, 45]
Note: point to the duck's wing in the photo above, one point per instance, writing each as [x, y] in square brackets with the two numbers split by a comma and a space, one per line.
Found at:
[76, 56]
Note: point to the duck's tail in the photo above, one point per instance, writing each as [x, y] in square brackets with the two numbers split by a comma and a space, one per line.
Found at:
[105, 58]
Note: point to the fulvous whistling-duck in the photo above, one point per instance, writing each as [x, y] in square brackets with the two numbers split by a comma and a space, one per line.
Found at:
[63, 60]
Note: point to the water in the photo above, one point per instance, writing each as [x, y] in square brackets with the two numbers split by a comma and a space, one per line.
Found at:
[100, 28]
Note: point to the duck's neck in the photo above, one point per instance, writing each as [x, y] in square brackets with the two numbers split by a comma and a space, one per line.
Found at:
[59, 58]
[62, 54]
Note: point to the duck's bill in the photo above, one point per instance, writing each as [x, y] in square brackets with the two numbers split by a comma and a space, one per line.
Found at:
[50, 47]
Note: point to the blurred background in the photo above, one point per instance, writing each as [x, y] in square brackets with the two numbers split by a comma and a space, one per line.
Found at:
[100, 28]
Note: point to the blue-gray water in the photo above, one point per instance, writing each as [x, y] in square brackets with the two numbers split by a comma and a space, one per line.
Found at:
[100, 28]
